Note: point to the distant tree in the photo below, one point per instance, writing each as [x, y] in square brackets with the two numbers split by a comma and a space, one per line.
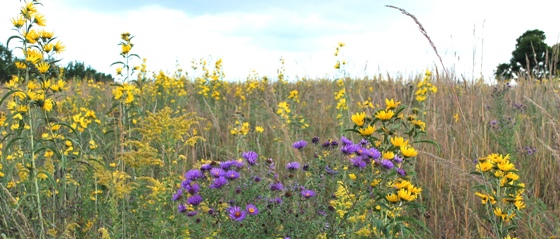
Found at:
[530, 56]
[7, 66]
[78, 70]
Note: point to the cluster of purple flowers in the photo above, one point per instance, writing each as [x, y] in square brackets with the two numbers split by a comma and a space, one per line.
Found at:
[217, 175]
[362, 155]
[237, 214]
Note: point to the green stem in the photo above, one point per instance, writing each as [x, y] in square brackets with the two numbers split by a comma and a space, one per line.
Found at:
[34, 175]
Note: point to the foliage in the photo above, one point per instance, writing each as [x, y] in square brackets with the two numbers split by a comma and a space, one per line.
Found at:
[78, 70]
[532, 56]
[7, 66]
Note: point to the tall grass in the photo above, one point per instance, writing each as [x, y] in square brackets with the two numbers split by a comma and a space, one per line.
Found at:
[106, 159]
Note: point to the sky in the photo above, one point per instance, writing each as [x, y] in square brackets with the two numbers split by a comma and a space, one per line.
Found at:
[472, 37]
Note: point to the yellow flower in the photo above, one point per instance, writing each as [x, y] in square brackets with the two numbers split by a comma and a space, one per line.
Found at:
[40, 19]
[119, 71]
[18, 22]
[352, 176]
[506, 166]
[498, 212]
[482, 196]
[408, 151]
[125, 48]
[519, 204]
[388, 155]
[405, 195]
[391, 104]
[58, 47]
[421, 98]
[392, 198]
[398, 141]
[359, 118]
[513, 176]
[456, 117]
[367, 131]
[384, 114]
[48, 105]
[21, 65]
[402, 184]
[259, 129]
[43, 67]
[484, 166]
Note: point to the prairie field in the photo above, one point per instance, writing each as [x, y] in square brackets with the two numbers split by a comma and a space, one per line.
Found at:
[188, 154]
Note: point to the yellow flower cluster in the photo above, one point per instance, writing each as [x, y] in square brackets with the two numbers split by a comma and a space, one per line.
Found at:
[209, 84]
[125, 93]
[81, 121]
[294, 95]
[425, 87]
[506, 195]
[240, 129]
[284, 111]
[405, 191]
[344, 200]
[340, 97]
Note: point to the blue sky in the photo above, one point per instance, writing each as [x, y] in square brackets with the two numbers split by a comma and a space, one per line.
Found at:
[473, 36]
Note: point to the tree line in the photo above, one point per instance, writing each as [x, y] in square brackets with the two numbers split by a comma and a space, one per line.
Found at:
[532, 58]
[72, 70]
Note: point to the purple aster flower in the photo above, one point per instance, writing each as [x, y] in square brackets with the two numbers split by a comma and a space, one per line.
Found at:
[181, 208]
[236, 213]
[345, 141]
[387, 164]
[299, 144]
[252, 209]
[292, 166]
[307, 193]
[365, 158]
[192, 188]
[226, 165]
[178, 195]
[315, 140]
[218, 182]
[364, 142]
[194, 174]
[374, 153]
[349, 148]
[326, 144]
[361, 150]
[192, 213]
[194, 199]
[217, 172]
[251, 157]
[401, 171]
[275, 200]
[276, 186]
[257, 179]
[358, 162]
[398, 159]
[330, 171]
[238, 164]
[232, 174]
[185, 183]
[205, 167]
[334, 144]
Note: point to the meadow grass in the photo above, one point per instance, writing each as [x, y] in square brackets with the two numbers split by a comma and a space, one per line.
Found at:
[85, 159]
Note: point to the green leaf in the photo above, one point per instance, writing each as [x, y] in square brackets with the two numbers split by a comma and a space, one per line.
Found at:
[427, 141]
